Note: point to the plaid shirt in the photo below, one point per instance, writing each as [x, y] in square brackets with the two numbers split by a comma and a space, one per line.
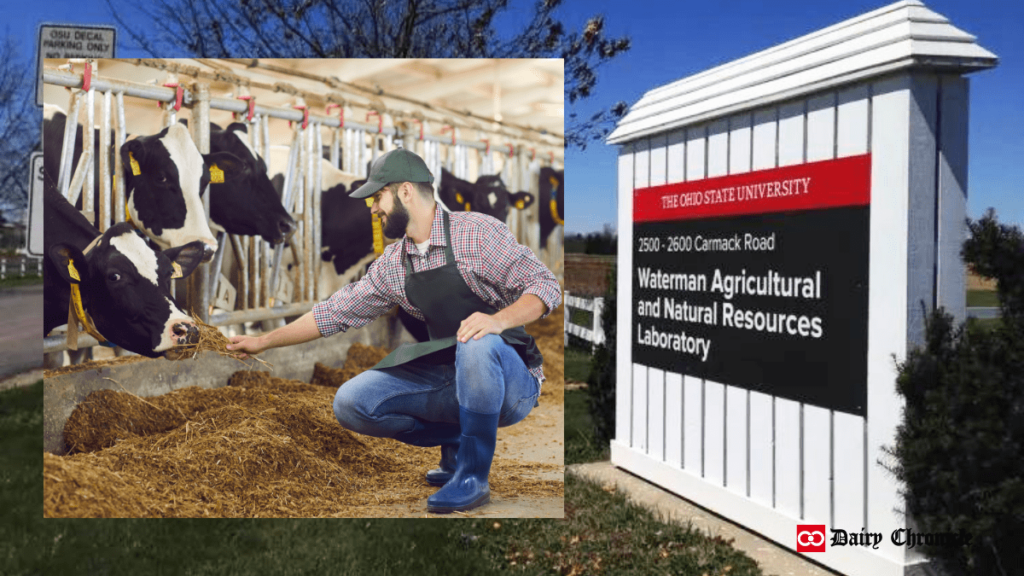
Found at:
[495, 267]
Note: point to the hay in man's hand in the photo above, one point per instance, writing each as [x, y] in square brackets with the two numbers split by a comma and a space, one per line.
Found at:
[211, 339]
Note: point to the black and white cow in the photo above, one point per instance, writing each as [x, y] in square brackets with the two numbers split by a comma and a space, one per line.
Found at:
[487, 195]
[552, 201]
[123, 278]
[346, 227]
[164, 174]
[246, 203]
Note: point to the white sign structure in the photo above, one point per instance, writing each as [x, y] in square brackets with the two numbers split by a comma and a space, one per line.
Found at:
[78, 41]
[35, 206]
[750, 195]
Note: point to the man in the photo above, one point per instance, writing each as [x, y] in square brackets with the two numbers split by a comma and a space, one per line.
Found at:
[475, 286]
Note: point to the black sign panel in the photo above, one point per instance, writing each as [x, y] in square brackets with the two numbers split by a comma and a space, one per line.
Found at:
[773, 302]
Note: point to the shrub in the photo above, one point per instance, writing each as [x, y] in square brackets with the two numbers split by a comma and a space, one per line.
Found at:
[601, 382]
[960, 448]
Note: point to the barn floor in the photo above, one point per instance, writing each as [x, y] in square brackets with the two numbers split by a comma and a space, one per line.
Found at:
[265, 446]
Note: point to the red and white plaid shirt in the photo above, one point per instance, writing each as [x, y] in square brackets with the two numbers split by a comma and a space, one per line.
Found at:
[495, 267]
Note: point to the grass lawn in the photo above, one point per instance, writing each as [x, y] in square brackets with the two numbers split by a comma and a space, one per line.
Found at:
[13, 282]
[577, 365]
[984, 298]
[602, 532]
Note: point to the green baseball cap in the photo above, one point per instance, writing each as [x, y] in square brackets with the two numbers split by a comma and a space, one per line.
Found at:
[399, 165]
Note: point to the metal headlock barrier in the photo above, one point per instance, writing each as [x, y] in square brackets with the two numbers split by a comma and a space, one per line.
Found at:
[262, 290]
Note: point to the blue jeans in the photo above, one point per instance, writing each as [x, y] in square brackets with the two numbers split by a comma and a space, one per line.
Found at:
[488, 378]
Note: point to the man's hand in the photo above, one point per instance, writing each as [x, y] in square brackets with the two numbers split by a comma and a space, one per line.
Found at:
[477, 326]
[251, 344]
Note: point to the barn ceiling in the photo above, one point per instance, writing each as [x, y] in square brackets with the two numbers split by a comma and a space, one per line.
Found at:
[521, 94]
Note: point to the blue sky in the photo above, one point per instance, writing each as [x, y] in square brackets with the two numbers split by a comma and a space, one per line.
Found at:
[672, 40]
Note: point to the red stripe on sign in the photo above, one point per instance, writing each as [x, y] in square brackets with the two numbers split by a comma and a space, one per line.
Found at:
[811, 186]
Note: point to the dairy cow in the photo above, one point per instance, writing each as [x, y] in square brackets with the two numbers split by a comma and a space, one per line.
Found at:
[346, 230]
[164, 174]
[552, 206]
[242, 200]
[487, 195]
[246, 203]
[122, 276]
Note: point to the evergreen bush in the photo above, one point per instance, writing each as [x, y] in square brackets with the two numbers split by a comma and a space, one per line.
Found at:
[601, 382]
[960, 447]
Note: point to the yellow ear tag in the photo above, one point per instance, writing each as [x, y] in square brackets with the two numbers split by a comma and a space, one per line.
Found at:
[520, 204]
[135, 164]
[71, 270]
[468, 209]
[458, 198]
[369, 202]
[216, 175]
[554, 212]
[177, 271]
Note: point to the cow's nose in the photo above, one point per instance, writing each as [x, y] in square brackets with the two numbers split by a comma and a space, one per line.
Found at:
[208, 252]
[186, 333]
[287, 227]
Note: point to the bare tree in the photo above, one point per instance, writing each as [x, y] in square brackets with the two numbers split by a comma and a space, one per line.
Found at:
[378, 29]
[19, 128]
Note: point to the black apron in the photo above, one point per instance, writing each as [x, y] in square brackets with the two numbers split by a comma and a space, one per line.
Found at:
[446, 300]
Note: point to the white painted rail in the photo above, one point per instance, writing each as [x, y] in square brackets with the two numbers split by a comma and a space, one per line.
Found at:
[594, 333]
[20, 267]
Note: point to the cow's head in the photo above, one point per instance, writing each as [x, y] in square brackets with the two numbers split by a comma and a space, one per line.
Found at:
[246, 203]
[125, 286]
[457, 194]
[164, 177]
[488, 195]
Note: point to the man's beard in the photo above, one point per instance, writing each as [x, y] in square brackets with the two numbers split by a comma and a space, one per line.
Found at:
[397, 220]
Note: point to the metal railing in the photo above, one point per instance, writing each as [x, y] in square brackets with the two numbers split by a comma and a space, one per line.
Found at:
[259, 289]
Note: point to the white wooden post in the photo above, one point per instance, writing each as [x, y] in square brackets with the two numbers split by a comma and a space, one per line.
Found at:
[597, 330]
[568, 315]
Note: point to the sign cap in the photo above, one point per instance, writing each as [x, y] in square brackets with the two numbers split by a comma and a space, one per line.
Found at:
[399, 165]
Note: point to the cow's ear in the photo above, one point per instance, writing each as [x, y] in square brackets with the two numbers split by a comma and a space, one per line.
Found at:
[132, 150]
[227, 163]
[239, 127]
[188, 256]
[70, 263]
[521, 200]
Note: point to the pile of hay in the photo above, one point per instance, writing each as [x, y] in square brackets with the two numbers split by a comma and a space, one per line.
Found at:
[259, 447]
[360, 358]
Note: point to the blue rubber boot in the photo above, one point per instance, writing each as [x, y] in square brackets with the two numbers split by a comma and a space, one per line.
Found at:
[427, 434]
[441, 476]
[468, 487]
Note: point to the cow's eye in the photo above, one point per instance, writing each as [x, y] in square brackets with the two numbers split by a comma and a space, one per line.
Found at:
[161, 178]
[114, 277]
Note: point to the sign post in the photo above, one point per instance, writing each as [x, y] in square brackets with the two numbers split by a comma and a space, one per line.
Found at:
[78, 41]
[786, 222]
[34, 238]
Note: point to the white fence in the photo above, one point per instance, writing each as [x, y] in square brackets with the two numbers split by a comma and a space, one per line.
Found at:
[594, 333]
[20, 267]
